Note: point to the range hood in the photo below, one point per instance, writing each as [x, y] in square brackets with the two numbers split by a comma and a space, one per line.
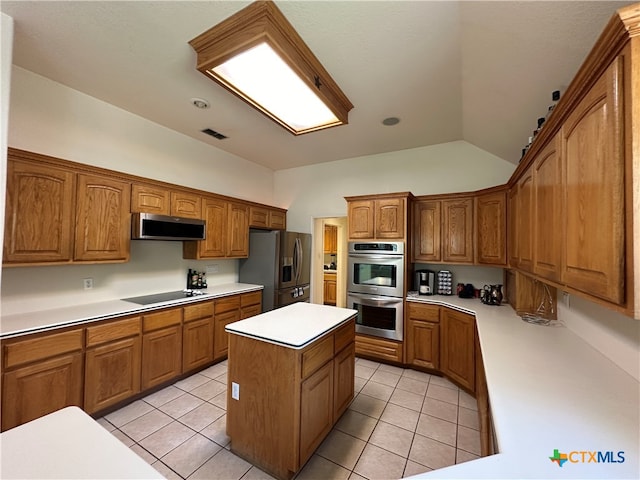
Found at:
[150, 226]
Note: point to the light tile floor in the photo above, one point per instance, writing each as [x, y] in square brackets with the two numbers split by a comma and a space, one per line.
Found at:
[400, 423]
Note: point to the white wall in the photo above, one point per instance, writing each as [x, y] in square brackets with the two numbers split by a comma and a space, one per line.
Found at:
[612, 334]
[6, 54]
[319, 190]
[50, 118]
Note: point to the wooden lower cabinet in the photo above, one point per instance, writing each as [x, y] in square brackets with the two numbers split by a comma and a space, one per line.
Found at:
[197, 336]
[316, 409]
[457, 343]
[227, 310]
[38, 389]
[112, 363]
[161, 347]
[250, 304]
[379, 348]
[423, 336]
[343, 376]
[330, 289]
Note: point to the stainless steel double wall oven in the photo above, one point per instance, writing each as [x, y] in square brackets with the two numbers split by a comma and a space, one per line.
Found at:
[375, 287]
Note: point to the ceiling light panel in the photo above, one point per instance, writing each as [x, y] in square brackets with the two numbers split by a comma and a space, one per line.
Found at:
[257, 55]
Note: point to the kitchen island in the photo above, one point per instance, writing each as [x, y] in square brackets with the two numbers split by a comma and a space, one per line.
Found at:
[290, 378]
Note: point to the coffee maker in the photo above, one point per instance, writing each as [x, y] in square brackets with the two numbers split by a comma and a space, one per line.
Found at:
[425, 282]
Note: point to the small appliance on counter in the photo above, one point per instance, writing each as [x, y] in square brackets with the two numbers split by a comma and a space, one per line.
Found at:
[425, 282]
[196, 280]
[491, 295]
[445, 281]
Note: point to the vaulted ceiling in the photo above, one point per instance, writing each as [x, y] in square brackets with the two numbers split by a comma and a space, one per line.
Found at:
[480, 71]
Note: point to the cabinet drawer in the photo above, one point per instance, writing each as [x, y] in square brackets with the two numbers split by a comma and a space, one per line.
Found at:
[226, 304]
[429, 313]
[113, 331]
[344, 335]
[33, 349]
[253, 298]
[199, 310]
[317, 355]
[166, 318]
[378, 348]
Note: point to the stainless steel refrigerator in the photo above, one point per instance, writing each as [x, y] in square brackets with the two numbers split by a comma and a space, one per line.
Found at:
[281, 261]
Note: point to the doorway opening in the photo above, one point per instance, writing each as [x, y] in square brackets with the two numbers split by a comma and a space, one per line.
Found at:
[329, 261]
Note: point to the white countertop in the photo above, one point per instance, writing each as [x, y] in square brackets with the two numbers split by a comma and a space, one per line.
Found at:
[68, 444]
[18, 324]
[548, 389]
[293, 326]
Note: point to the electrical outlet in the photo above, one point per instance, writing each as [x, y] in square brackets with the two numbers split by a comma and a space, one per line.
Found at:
[87, 283]
[235, 391]
[213, 268]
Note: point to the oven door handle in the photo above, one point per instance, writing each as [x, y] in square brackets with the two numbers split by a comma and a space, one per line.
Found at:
[376, 300]
[369, 256]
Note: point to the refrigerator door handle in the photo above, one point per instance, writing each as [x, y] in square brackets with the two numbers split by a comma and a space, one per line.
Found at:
[297, 259]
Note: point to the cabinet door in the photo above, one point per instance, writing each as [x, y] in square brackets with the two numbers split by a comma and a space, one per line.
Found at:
[491, 229]
[458, 344]
[38, 389]
[423, 344]
[457, 230]
[215, 215]
[427, 218]
[220, 336]
[150, 199]
[330, 239]
[186, 205]
[594, 191]
[512, 237]
[330, 289]
[112, 373]
[258, 217]
[361, 217]
[343, 373]
[547, 184]
[103, 219]
[238, 231]
[197, 343]
[39, 213]
[316, 410]
[525, 215]
[277, 220]
[389, 218]
[161, 356]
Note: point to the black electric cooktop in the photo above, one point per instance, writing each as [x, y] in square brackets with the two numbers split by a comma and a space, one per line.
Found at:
[161, 297]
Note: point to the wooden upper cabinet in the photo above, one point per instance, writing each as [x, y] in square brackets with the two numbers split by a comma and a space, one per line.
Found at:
[512, 229]
[592, 142]
[457, 230]
[330, 239]
[547, 185]
[390, 218]
[267, 218]
[491, 228]
[103, 219]
[380, 217]
[361, 215]
[427, 226]
[238, 230]
[525, 216]
[227, 231]
[39, 213]
[184, 204]
[150, 199]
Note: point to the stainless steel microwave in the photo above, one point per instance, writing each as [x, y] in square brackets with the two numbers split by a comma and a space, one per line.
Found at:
[150, 226]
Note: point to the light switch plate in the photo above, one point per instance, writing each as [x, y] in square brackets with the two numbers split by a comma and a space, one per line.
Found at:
[235, 391]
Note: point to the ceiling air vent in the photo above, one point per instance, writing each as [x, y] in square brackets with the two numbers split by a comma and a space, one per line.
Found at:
[214, 134]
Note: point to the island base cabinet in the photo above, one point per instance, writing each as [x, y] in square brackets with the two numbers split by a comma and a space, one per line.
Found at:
[316, 412]
[282, 402]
